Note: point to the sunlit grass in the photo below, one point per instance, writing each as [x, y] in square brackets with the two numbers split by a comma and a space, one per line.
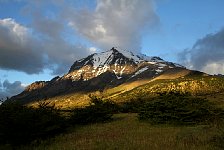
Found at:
[126, 132]
[197, 86]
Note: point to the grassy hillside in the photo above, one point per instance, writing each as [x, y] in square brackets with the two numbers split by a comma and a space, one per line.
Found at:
[167, 121]
[126, 132]
[206, 86]
[197, 86]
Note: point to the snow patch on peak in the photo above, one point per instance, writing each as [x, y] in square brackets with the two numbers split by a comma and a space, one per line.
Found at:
[144, 57]
[161, 65]
[138, 57]
[101, 59]
[140, 71]
[116, 74]
[128, 54]
[178, 65]
[159, 70]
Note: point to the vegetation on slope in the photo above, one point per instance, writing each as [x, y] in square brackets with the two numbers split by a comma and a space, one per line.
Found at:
[173, 103]
[97, 111]
[21, 124]
[126, 132]
[176, 108]
[195, 86]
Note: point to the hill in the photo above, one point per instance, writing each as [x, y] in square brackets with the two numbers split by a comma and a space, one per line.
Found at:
[118, 75]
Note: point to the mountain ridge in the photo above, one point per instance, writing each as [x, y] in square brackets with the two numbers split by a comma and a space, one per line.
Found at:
[118, 61]
[101, 71]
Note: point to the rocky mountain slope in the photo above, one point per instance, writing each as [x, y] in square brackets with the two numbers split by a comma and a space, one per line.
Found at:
[120, 62]
[101, 71]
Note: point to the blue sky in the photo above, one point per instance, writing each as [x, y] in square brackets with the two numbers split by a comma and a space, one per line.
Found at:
[183, 22]
[42, 39]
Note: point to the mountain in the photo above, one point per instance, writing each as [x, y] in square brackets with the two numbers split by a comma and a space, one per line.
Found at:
[104, 71]
[123, 64]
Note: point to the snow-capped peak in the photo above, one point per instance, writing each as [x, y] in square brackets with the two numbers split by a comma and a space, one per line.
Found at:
[111, 56]
[120, 62]
[128, 54]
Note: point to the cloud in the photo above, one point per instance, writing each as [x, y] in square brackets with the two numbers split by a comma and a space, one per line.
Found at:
[32, 52]
[115, 22]
[48, 40]
[60, 53]
[92, 49]
[207, 54]
[13, 88]
[17, 48]
[10, 89]
[3, 96]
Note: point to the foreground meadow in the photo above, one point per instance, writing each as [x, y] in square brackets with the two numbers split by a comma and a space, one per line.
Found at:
[127, 132]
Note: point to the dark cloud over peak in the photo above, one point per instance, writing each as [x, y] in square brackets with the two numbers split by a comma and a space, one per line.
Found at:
[18, 50]
[207, 54]
[22, 50]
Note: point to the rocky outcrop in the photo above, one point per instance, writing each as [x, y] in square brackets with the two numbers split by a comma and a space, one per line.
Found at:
[35, 86]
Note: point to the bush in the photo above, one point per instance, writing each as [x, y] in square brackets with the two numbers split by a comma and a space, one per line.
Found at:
[97, 111]
[176, 108]
[132, 106]
[218, 139]
[20, 124]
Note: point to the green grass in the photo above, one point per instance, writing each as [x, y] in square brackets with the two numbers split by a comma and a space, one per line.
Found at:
[125, 132]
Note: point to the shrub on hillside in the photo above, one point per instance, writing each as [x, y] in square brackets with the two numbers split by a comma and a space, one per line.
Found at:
[97, 111]
[21, 124]
[132, 106]
[218, 139]
[176, 108]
